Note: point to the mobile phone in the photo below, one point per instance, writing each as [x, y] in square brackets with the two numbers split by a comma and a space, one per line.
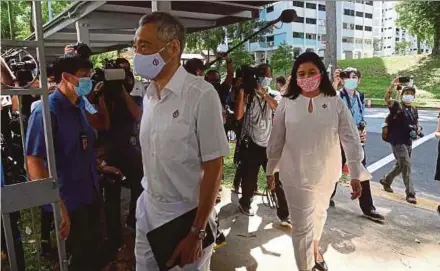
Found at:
[404, 79]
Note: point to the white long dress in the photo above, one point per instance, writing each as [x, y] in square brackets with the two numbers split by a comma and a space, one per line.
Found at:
[305, 146]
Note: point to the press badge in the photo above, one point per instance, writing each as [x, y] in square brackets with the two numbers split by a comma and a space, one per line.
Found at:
[263, 124]
[83, 140]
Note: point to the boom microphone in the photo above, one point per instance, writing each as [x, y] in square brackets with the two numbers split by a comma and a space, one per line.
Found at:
[287, 16]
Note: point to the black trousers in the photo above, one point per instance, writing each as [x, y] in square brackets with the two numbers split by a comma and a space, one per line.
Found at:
[437, 171]
[111, 195]
[365, 200]
[252, 158]
[84, 238]
[129, 161]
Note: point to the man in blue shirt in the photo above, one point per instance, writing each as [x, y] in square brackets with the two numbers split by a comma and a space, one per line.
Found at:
[350, 79]
[75, 159]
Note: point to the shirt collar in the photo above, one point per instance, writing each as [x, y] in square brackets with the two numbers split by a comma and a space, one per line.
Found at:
[175, 84]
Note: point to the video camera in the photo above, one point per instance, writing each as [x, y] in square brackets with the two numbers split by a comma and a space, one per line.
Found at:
[114, 77]
[82, 49]
[22, 64]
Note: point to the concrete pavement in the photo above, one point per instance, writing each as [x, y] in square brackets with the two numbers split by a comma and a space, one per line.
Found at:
[408, 240]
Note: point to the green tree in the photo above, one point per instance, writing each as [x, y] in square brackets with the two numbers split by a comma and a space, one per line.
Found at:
[281, 60]
[20, 14]
[240, 56]
[402, 47]
[422, 19]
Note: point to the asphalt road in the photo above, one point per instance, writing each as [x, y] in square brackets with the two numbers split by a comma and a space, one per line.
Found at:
[424, 156]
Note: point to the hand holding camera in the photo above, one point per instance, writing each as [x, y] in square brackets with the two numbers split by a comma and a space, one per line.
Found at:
[337, 76]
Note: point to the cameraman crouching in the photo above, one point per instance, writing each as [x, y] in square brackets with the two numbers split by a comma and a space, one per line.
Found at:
[403, 127]
[121, 139]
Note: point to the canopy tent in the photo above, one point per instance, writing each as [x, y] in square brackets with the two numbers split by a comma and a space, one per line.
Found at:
[110, 25]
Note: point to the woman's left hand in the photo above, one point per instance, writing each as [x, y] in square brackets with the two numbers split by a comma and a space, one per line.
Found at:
[357, 189]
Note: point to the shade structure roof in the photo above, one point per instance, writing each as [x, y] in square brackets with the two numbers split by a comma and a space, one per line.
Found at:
[110, 25]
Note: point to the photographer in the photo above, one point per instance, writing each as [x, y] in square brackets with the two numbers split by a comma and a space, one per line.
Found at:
[350, 78]
[121, 140]
[403, 127]
[213, 77]
[255, 106]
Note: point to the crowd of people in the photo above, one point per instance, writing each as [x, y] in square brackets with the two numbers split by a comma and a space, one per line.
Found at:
[167, 143]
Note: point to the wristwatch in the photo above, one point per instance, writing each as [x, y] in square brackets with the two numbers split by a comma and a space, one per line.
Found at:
[201, 234]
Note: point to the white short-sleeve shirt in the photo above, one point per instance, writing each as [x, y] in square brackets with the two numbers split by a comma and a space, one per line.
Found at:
[178, 132]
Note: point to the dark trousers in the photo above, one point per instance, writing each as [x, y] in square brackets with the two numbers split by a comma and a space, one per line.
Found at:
[111, 195]
[84, 238]
[254, 157]
[129, 161]
[365, 200]
[437, 171]
[46, 227]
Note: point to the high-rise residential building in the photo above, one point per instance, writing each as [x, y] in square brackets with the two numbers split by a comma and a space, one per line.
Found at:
[389, 33]
[360, 25]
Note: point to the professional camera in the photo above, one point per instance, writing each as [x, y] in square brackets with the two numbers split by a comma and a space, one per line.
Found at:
[82, 49]
[362, 125]
[114, 77]
[22, 64]
[414, 132]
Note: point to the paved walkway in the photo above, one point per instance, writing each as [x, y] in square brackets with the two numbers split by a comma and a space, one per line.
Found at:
[408, 240]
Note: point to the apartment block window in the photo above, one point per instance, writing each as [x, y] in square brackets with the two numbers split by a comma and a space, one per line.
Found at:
[397, 39]
[359, 27]
[310, 36]
[368, 28]
[321, 7]
[270, 38]
[299, 20]
[347, 39]
[298, 4]
[370, 3]
[299, 35]
[359, 14]
[310, 21]
[349, 12]
[389, 47]
[269, 9]
[322, 37]
[348, 26]
[358, 41]
[368, 41]
[310, 6]
[368, 15]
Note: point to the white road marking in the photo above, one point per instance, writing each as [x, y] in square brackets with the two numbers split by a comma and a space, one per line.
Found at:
[388, 159]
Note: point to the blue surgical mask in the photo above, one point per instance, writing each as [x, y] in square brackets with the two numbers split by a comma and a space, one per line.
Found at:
[264, 81]
[351, 83]
[84, 87]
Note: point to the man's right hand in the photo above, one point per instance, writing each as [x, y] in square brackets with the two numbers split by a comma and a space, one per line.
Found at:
[69, 49]
[270, 182]
[65, 222]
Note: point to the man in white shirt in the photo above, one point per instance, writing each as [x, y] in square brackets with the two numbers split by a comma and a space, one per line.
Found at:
[183, 143]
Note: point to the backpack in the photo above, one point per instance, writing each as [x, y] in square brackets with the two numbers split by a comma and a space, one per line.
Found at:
[361, 99]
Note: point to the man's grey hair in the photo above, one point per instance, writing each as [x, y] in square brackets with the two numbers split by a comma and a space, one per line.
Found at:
[168, 27]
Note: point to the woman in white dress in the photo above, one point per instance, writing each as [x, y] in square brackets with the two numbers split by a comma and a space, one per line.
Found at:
[309, 125]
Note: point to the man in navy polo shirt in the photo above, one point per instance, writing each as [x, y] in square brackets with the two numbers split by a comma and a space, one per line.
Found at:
[75, 159]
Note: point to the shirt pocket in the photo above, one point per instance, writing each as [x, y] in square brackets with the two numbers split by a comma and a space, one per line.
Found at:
[175, 139]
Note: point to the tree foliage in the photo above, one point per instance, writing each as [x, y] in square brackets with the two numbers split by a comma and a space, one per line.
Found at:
[422, 19]
[402, 47]
[21, 17]
[281, 60]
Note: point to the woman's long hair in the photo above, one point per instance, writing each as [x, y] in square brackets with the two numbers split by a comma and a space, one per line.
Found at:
[325, 86]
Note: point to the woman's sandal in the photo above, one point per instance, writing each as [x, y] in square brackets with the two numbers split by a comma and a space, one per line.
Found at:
[320, 266]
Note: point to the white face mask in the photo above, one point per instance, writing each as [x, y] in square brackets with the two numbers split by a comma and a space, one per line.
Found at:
[408, 98]
[265, 81]
[149, 66]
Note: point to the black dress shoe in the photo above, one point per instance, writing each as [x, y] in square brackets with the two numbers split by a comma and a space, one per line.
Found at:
[320, 266]
[374, 215]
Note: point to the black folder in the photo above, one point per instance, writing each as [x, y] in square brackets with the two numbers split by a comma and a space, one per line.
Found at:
[164, 240]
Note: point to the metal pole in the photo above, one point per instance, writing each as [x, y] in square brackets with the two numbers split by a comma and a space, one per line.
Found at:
[38, 22]
[10, 21]
[10, 245]
[49, 9]
[330, 57]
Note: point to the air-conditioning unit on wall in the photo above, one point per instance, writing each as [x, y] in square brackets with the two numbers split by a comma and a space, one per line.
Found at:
[270, 43]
